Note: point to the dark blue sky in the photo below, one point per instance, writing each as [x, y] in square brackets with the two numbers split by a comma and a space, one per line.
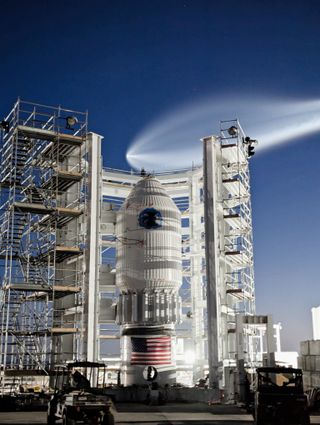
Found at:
[128, 62]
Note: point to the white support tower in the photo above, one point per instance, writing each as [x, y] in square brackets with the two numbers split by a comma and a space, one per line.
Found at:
[228, 243]
[196, 278]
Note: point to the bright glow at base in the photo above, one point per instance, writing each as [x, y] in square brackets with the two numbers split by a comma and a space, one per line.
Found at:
[189, 357]
[172, 141]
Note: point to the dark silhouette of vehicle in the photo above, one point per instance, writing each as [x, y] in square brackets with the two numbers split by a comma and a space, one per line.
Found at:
[279, 397]
[78, 397]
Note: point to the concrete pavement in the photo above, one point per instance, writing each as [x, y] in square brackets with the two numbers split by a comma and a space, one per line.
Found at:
[169, 414]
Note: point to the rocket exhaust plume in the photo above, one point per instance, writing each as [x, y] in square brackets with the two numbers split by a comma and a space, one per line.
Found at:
[170, 142]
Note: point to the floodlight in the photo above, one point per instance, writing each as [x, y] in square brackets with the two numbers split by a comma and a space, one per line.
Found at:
[71, 121]
[250, 145]
[233, 130]
[5, 125]
[250, 151]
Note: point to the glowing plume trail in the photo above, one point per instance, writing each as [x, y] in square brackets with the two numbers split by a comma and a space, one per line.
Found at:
[172, 141]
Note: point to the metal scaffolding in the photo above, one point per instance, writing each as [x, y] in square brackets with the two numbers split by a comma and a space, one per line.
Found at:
[229, 244]
[43, 183]
[236, 222]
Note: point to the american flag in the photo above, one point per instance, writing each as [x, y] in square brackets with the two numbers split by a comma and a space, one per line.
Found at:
[151, 351]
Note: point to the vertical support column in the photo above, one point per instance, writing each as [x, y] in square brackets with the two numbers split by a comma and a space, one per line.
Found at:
[92, 260]
[240, 357]
[271, 343]
[277, 328]
[196, 255]
[239, 337]
[212, 265]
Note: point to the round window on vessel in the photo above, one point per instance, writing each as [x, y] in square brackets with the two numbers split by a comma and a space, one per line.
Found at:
[150, 218]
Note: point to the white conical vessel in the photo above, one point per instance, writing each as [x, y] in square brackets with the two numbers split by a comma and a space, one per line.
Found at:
[148, 276]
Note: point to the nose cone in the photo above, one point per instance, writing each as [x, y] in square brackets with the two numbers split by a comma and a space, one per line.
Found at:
[147, 192]
[148, 239]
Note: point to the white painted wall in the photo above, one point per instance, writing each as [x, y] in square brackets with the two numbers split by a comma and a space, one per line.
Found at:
[316, 322]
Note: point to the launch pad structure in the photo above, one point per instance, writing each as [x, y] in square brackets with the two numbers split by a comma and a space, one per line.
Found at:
[58, 248]
[231, 235]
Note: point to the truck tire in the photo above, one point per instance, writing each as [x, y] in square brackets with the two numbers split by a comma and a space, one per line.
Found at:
[258, 420]
[108, 419]
[51, 419]
[66, 420]
[257, 416]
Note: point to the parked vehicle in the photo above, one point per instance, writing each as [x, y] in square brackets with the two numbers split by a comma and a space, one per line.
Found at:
[78, 397]
[279, 397]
